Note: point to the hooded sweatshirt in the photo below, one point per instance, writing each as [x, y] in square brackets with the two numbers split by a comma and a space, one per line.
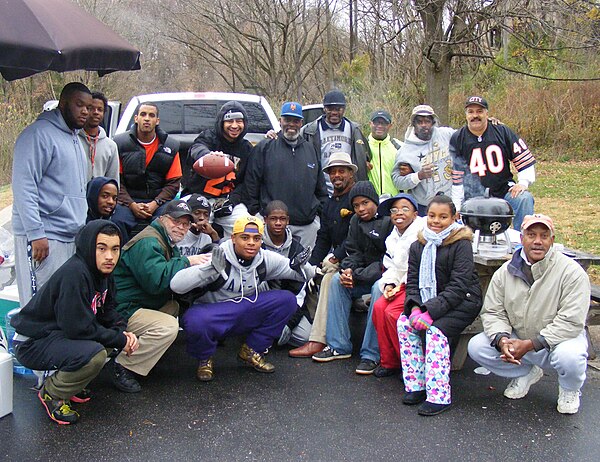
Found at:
[102, 155]
[214, 140]
[417, 153]
[93, 191]
[78, 299]
[49, 180]
[242, 281]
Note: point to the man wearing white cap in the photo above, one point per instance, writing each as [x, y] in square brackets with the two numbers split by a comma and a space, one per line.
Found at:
[534, 317]
[423, 164]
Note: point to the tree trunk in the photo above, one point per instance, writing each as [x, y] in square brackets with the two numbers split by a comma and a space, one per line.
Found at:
[438, 86]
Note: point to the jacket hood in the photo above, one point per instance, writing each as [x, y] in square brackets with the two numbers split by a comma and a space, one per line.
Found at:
[93, 191]
[464, 232]
[284, 249]
[56, 118]
[233, 106]
[85, 244]
[101, 133]
[410, 137]
[233, 258]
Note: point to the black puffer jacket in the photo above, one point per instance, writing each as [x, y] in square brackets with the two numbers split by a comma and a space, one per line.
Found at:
[141, 181]
[365, 246]
[214, 140]
[459, 299]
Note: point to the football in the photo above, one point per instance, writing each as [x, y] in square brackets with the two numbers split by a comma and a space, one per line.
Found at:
[213, 166]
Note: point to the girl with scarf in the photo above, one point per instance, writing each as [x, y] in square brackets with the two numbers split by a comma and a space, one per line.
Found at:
[443, 296]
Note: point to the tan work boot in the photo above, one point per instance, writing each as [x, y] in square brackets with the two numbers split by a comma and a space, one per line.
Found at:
[254, 359]
[205, 372]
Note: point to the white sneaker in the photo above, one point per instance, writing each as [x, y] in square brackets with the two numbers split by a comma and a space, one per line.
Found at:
[568, 401]
[519, 387]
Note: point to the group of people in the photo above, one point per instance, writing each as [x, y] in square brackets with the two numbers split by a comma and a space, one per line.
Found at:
[114, 252]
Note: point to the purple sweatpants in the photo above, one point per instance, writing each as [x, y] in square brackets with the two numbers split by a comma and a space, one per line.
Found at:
[263, 321]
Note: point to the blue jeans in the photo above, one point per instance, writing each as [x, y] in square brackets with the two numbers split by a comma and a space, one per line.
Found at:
[522, 205]
[338, 314]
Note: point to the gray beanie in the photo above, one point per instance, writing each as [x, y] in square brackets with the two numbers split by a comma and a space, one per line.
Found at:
[365, 189]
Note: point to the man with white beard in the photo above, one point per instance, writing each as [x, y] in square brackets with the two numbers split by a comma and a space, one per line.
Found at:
[288, 169]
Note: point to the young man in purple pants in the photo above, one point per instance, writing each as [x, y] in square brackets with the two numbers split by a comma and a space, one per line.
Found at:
[229, 301]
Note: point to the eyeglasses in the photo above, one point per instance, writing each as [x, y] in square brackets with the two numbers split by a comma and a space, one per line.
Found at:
[395, 210]
[179, 223]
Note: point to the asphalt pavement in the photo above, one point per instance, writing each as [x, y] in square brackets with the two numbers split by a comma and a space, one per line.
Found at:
[305, 411]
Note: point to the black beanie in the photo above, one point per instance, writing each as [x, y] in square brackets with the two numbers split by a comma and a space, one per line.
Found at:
[365, 189]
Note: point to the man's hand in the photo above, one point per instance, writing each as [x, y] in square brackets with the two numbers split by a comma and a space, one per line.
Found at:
[513, 349]
[426, 171]
[198, 259]
[151, 207]
[206, 228]
[40, 249]
[132, 343]
[405, 169]
[139, 211]
[516, 189]
[346, 278]
[271, 134]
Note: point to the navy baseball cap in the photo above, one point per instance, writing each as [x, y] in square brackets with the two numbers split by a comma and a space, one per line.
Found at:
[177, 209]
[476, 100]
[292, 109]
[334, 98]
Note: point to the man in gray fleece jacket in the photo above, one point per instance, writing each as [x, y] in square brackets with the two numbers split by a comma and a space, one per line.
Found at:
[49, 179]
[232, 303]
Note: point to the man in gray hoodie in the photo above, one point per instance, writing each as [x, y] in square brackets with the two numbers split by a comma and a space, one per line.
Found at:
[232, 303]
[423, 164]
[49, 178]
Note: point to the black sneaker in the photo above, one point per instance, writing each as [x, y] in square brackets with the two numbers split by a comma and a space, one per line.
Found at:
[366, 367]
[381, 372]
[329, 354]
[123, 379]
[58, 410]
[429, 409]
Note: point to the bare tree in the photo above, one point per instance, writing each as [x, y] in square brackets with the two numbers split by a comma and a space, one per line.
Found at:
[270, 47]
[474, 31]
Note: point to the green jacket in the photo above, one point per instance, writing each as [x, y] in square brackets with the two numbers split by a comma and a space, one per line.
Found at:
[148, 263]
[383, 159]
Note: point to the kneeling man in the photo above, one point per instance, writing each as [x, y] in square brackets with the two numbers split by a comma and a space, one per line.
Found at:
[230, 302]
[68, 326]
[534, 317]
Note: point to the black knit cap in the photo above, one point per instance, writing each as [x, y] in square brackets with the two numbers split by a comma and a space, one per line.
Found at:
[365, 189]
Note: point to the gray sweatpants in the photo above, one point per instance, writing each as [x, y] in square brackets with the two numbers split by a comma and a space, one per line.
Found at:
[59, 253]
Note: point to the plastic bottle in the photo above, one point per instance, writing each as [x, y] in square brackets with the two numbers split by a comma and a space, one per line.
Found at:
[18, 368]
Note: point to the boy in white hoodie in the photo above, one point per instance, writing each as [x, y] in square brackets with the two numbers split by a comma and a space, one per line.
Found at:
[232, 303]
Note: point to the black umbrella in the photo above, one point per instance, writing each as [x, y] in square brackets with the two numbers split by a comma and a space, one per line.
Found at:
[57, 35]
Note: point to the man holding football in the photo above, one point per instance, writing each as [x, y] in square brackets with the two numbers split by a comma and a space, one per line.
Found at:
[217, 164]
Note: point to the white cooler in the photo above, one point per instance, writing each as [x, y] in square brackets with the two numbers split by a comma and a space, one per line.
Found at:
[6, 383]
[6, 377]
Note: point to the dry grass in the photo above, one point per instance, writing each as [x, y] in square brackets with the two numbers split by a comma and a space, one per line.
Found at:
[6, 196]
